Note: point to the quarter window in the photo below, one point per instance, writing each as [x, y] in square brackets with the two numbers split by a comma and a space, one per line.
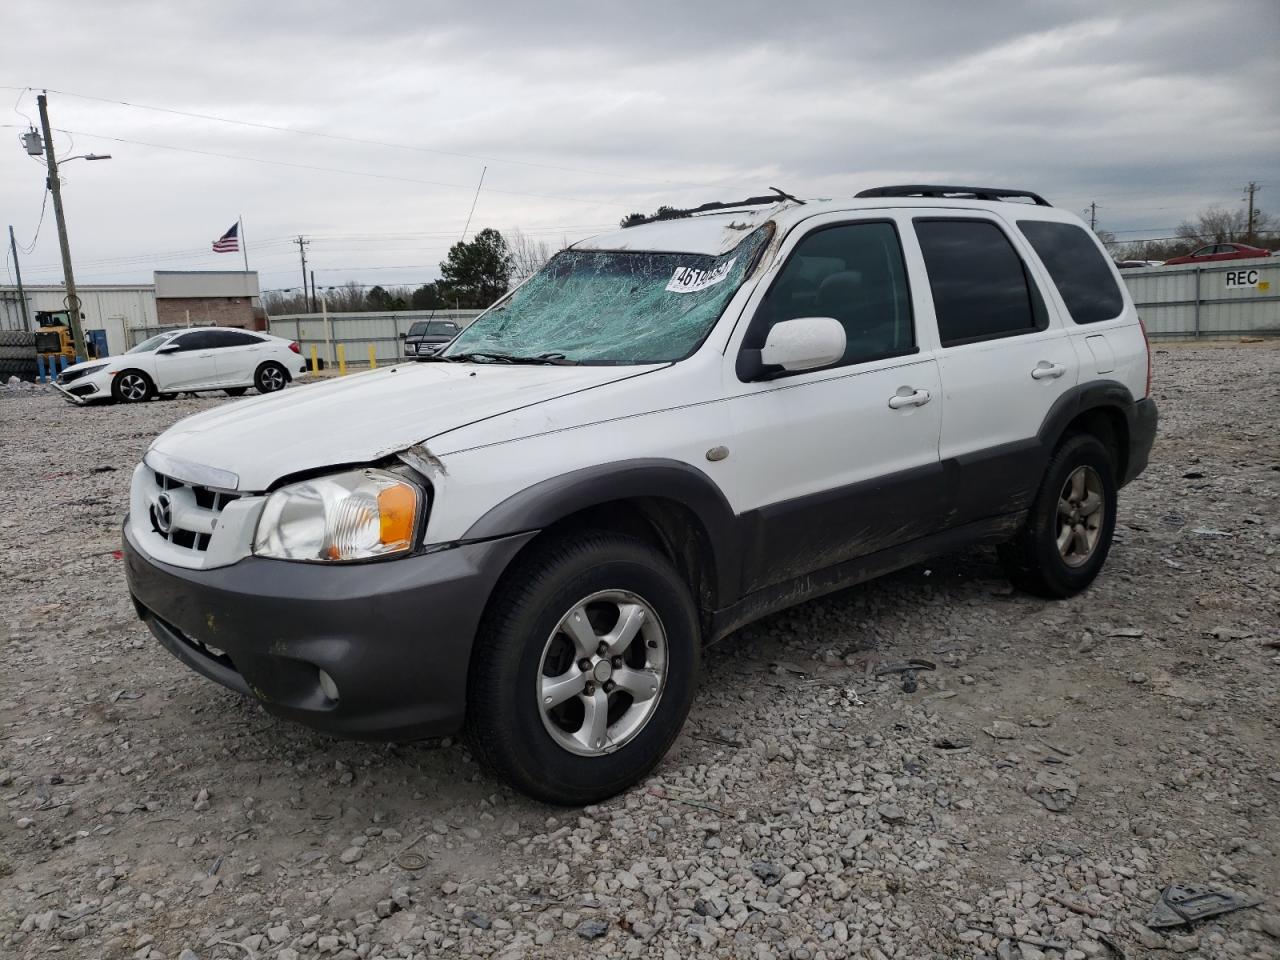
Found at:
[1078, 269]
[981, 288]
[853, 272]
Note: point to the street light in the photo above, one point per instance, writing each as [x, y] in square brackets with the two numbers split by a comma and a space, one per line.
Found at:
[72, 300]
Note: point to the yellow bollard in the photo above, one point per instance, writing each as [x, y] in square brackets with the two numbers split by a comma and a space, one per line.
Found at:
[373, 358]
[315, 362]
[342, 359]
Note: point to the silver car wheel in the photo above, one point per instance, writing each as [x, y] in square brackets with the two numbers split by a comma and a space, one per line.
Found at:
[1082, 510]
[271, 379]
[602, 673]
[133, 387]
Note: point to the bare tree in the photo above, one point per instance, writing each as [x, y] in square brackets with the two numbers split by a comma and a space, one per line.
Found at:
[527, 254]
[1225, 225]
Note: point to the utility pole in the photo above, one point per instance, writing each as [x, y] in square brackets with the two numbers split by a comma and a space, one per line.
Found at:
[72, 301]
[313, 291]
[1093, 216]
[1250, 190]
[302, 252]
[22, 296]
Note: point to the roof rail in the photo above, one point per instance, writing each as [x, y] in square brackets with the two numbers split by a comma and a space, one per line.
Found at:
[937, 190]
[672, 214]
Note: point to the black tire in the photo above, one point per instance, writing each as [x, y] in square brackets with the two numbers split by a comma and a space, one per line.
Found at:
[18, 353]
[505, 724]
[236, 391]
[18, 338]
[132, 386]
[1032, 559]
[20, 368]
[270, 377]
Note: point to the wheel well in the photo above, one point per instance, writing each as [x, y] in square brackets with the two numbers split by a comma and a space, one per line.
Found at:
[1110, 427]
[667, 525]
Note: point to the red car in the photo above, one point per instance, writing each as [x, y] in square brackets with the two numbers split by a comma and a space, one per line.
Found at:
[1220, 251]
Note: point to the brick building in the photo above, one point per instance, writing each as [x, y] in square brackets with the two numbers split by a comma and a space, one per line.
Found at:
[223, 298]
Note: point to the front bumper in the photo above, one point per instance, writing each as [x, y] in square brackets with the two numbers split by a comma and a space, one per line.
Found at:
[1143, 419]
[83, 389]
[395, 636]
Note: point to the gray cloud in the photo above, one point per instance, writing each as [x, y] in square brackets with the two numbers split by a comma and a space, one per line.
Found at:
[1153, 110]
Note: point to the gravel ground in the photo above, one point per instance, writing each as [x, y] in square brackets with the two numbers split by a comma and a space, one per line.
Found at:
[1062, 765]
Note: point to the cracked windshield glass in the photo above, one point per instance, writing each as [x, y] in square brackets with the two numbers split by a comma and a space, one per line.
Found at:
[613, 307]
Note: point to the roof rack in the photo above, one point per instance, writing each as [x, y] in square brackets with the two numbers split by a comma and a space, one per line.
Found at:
[671, 214]
[937, 190]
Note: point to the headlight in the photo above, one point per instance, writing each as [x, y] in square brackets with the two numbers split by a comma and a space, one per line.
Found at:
[347, 516]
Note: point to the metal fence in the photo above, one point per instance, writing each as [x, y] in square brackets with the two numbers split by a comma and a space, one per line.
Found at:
[1230, 299]
[359, 331]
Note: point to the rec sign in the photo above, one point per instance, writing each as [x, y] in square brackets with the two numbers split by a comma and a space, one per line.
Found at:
[1242, 278]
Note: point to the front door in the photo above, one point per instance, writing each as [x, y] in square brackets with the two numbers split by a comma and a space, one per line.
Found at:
[186, 363]
[841, 462]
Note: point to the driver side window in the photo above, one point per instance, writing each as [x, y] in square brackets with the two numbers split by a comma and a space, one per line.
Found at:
[853, 272]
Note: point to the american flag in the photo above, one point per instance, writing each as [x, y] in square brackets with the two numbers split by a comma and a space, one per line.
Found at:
[229, 242]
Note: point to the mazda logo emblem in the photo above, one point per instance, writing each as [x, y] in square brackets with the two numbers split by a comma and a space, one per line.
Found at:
[162, 514]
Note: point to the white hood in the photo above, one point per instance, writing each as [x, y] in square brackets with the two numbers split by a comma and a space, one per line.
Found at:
[364, 417]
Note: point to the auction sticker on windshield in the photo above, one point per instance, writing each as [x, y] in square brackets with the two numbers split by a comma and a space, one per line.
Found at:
[689, 279]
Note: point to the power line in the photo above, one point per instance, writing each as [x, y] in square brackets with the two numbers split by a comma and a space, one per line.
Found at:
[296, 131]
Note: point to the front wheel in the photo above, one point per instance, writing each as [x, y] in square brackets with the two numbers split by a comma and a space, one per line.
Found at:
[132, 386]
[584, 669]
[270, 378]
[1067, 535]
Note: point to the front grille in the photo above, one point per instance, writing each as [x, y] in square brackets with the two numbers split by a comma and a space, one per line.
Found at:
[83, 390]
[186, 514]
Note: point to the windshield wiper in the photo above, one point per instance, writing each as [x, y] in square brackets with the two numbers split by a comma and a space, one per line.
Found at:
[558, 359]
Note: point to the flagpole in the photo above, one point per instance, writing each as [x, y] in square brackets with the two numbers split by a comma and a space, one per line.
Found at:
[244, 249]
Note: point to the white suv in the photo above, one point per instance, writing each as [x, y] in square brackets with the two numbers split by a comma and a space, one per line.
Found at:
[668, 432]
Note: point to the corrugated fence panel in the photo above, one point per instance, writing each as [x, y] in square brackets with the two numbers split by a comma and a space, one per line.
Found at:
[358, 331]
[1232, 298]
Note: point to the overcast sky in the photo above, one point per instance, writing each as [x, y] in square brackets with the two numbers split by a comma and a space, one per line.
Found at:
[584, 112]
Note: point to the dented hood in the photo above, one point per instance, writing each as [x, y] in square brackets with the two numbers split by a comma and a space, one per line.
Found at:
[364, 417]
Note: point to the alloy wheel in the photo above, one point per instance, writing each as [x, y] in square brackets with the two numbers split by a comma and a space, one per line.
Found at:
[133, 387]
[602, 673]
[272, 379]
[1082, 510]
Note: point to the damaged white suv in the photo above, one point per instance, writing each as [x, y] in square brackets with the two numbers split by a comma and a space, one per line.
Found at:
[666, 433]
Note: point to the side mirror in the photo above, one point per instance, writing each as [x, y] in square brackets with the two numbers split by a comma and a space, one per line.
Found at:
[804, 343]
[403, 335]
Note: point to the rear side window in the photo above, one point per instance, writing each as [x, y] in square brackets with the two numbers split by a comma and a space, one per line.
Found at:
[235, 338]
[1078, 269]
[981, 288]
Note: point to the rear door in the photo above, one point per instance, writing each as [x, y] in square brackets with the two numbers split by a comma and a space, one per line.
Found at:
[837, 463]
[1004, 359]
[238, 354]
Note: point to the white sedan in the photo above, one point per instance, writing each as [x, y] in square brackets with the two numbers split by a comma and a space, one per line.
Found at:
[185, 361]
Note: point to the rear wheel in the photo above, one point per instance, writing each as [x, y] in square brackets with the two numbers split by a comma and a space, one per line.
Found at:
[132, 386]
[270, 378]
[1067, 535]
[584, 669]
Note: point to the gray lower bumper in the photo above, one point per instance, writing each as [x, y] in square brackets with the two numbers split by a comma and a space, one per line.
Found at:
[394, 636]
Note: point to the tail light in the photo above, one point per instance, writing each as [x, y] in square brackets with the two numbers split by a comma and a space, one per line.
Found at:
[1147, 342]
[294, 347]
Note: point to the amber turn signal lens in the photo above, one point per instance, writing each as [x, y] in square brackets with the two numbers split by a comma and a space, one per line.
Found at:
[397, 508]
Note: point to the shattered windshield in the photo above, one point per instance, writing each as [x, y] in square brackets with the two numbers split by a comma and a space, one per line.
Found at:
[613, 306]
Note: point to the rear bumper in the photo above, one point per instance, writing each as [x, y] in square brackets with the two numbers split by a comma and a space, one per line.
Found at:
[1143, 419]
[395, 637]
